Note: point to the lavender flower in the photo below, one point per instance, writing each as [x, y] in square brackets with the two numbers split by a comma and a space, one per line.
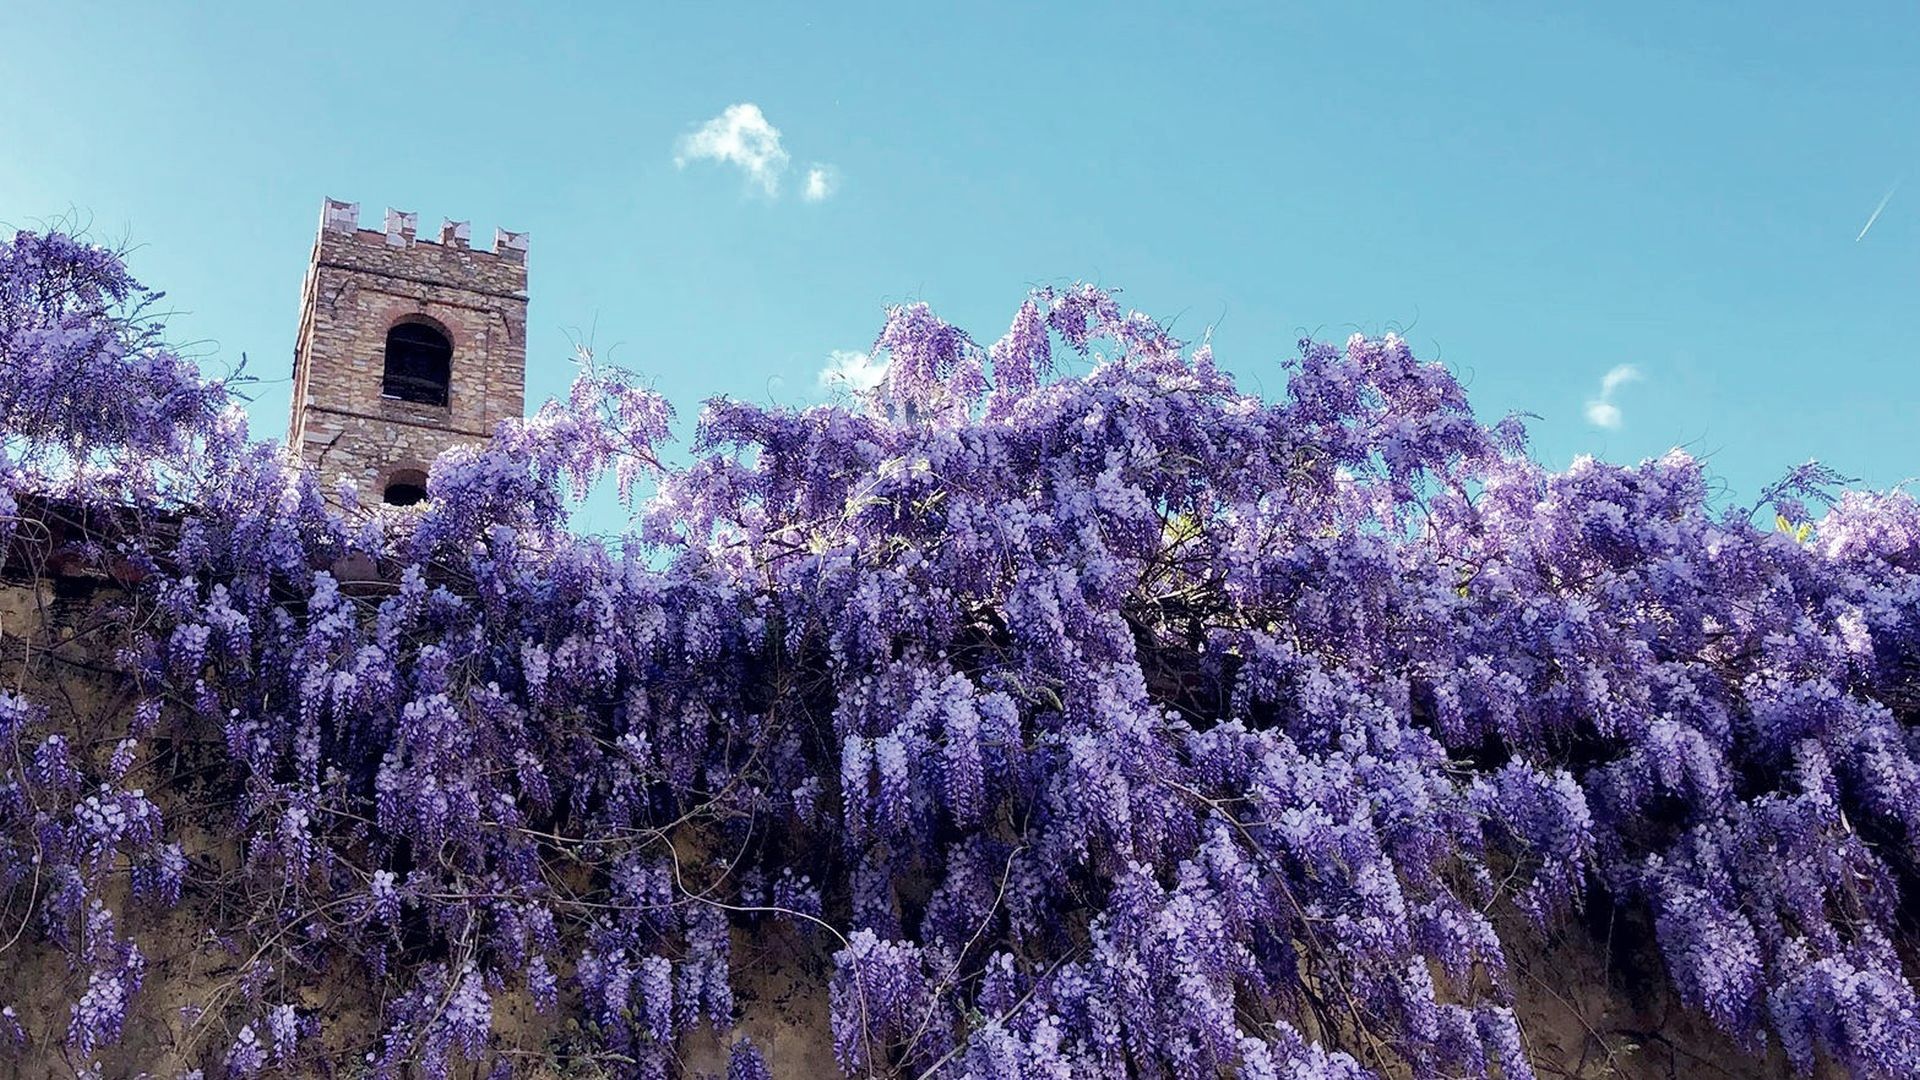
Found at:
[1104, 715]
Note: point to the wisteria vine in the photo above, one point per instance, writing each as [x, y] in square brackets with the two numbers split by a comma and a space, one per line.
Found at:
[1117, 723]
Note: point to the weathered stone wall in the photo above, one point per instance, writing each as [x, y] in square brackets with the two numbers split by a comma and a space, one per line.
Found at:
[360, 283]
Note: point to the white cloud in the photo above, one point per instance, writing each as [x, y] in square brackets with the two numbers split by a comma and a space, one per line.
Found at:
[1603, 414]
[849, 370]
[1618, 377]
[821, 180]
[739, 136]
[1601, 411]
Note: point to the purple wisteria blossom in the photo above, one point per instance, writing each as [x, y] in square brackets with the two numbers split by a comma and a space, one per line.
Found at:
[1114, 724]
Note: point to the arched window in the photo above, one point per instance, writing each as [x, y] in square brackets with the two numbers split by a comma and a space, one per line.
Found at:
[405, 488]
[419, 364]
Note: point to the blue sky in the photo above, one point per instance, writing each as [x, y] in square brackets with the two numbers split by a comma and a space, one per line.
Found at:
[1536, 197]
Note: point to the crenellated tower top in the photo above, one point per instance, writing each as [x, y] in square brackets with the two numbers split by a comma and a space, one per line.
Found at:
[407, 347]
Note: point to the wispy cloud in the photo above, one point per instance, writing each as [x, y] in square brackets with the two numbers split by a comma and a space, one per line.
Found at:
[821, 181]
[1618, 377]
[1601, 411]
[1603, 414]
[743, 137]
[850, 370]
[1875, 216]
[740, 136]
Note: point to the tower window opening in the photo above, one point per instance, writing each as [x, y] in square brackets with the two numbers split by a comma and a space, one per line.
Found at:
[405, 488]
[404, 494]
[419, 365]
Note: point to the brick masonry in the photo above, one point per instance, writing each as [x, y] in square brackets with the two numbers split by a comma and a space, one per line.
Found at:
[362, 282]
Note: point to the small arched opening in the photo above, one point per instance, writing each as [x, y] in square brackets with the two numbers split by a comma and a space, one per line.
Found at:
[419, 363]
[405, 487]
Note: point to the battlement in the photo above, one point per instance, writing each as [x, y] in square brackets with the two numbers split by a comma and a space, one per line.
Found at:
[340, 232]
[408, 346]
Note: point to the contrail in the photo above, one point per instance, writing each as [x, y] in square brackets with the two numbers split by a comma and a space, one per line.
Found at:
[1875, 216]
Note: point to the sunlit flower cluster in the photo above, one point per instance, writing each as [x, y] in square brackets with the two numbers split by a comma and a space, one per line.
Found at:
[1115, 724]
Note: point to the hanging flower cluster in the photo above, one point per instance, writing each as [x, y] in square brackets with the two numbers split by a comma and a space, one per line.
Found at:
[1118, 724]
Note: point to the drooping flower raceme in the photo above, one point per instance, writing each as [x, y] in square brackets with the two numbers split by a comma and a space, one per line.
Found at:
[1118, 724]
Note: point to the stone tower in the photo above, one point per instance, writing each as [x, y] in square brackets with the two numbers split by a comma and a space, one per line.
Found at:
[407, 347]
